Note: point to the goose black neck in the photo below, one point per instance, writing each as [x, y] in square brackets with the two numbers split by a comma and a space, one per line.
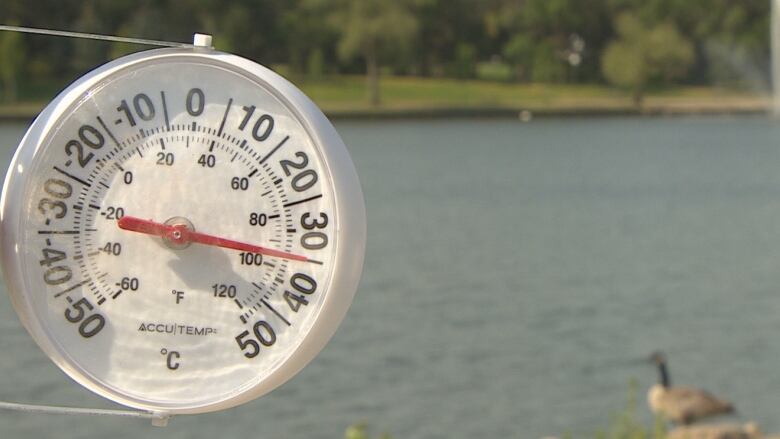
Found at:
[663, 374]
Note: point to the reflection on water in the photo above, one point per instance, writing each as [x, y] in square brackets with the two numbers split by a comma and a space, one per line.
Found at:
[514, 272]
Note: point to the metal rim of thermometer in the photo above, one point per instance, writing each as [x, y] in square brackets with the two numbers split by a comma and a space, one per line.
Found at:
[182, 230]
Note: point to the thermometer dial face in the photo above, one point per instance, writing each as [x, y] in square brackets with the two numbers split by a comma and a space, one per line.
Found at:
[182, 231]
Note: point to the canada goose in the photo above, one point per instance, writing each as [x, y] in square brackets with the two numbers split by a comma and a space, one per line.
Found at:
[716, 431]
[682, 405]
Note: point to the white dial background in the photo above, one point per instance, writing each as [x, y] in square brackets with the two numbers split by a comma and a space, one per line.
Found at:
[207, 153]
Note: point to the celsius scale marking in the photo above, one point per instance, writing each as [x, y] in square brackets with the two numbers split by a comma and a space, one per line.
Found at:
[182, 230]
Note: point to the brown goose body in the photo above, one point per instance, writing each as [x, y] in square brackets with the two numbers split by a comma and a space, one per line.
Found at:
[682, 405]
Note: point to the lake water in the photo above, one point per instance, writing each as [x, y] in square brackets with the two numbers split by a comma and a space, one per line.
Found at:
[514, 274]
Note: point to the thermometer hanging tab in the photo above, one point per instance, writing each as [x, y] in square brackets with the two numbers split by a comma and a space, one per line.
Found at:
[182, 230]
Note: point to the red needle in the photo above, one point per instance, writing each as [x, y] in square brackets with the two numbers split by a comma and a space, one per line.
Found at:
[180, 234]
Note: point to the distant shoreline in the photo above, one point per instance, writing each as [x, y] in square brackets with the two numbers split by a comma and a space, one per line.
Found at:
[26, 112]
[524, 114]
[527, 114]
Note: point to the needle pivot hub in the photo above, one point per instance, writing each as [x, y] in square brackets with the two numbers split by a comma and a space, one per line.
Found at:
[176, 238]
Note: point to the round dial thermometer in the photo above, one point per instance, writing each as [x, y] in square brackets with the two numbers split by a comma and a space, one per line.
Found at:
[182, 230]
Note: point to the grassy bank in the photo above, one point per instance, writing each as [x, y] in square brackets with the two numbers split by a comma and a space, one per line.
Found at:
[345, 96]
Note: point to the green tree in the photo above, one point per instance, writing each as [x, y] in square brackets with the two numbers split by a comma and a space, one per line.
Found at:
[445, 26]
[310, 41]
[465, 64]
[642, 54]
[12, 56]
[536, 35]
[731, 38]
[375, 30]
[86, 53]
[519, 52]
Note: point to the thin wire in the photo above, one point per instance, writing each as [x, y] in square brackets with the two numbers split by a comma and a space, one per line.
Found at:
[157, 419]
[62, 33]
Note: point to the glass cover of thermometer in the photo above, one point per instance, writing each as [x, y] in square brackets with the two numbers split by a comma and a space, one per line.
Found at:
[182, 230]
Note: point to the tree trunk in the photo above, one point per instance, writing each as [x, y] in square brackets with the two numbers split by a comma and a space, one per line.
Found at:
[9, 87]
[519, 72]
[638, 95]
[372, 74]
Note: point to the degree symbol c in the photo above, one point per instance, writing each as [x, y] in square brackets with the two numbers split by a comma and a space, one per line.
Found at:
[170, 361]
